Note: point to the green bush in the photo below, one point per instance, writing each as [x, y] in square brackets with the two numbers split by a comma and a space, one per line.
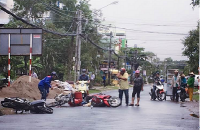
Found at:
[98, 79]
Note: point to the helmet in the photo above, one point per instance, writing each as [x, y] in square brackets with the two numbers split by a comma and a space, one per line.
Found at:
[157, 73]
[53, 73]
[137, 71]
[123, 69]
[83, 70]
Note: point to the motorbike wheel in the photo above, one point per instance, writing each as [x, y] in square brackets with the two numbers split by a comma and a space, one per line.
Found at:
[182, 97]
[8, 104]
[161, 96]
[114, 101]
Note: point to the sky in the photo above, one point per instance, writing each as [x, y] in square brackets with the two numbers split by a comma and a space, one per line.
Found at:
[158, 26]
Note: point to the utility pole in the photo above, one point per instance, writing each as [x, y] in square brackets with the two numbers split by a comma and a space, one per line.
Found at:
[78, 46]
[109, 59]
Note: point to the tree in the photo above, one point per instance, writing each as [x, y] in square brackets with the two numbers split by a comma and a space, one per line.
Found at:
[195, 2]
[191, 49]
[58, 52]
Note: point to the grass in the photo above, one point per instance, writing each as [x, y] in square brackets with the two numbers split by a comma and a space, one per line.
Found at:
[94, 91]
[196, 97]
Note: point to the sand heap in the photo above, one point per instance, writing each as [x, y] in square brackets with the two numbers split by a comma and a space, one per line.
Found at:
[24, 89]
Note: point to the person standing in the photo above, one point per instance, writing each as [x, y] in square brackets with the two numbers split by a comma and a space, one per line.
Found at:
[34, 75]
[92, 80]
[137, 82]
[183, 81]
[45, 84]
[156, 80]
[175, 84]
[104, 80]
[190, 85]
[123, 84]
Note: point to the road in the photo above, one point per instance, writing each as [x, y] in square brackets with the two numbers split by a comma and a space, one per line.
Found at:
[150, 115]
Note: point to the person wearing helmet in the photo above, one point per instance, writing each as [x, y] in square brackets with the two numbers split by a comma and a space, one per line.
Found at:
[137, 81]
[45, 84]
[84, 76]
[156, 80]
[123, 85]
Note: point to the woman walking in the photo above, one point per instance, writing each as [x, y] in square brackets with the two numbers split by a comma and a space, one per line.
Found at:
[190, 85]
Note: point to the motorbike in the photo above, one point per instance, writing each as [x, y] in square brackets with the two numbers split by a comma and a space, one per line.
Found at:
[19, 104]
[72, 99]
[83, 87]
[183, 92]
[159, 92]
[102, 100]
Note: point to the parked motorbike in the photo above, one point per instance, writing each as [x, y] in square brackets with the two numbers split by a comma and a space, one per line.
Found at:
[159, 92]
[19, 104]
[83, 87]
[102, 100]
[183, 93]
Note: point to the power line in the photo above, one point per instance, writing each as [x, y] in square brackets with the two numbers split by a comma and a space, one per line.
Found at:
[176, 25]
[144, 31]
[56, 11]
[26, 22]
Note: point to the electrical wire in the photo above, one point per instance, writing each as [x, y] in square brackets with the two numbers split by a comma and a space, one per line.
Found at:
[26, 22]
[144, 31]
[55, 10]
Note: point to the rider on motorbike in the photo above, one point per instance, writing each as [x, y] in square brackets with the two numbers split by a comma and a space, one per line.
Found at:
[156, 80]
[84, 76]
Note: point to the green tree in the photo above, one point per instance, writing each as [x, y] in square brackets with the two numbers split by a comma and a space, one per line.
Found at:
[191, 49]
[58, 52]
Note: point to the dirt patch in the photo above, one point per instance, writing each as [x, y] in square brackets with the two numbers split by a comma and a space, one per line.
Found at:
[24, 89]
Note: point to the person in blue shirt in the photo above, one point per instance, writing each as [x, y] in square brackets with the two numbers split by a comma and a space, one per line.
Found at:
[183, 81]
[84, 76]
[45, 84]
[104, 80]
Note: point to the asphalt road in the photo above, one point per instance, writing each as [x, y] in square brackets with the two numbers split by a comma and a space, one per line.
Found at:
[150, 115]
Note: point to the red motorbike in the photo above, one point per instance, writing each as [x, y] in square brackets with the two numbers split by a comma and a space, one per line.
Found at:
[102, 100]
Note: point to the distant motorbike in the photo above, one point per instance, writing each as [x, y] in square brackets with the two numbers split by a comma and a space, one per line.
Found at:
[83, 87]
[102, 100]
[19, 104]
[159, 92]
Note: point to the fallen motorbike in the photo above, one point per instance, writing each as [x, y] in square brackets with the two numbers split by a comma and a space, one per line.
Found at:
[159, 92]
[19, 104]
[72, 99]
[102, 100]
[83, 87]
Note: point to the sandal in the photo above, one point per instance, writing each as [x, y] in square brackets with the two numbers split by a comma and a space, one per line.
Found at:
[131, 104]
[137, 105]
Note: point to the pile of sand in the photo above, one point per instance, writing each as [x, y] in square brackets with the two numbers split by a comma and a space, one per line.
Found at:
[24, 89]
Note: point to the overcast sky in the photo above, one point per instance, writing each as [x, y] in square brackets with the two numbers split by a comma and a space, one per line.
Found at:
[147, 20]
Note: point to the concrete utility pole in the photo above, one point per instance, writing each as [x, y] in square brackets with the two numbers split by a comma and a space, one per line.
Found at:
[78, 46]
[109, 60]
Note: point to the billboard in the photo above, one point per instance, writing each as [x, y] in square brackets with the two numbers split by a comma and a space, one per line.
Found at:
[20, 41]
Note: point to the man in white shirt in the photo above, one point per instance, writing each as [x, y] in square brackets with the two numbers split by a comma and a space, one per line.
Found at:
[34, 75]
[92, 80]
